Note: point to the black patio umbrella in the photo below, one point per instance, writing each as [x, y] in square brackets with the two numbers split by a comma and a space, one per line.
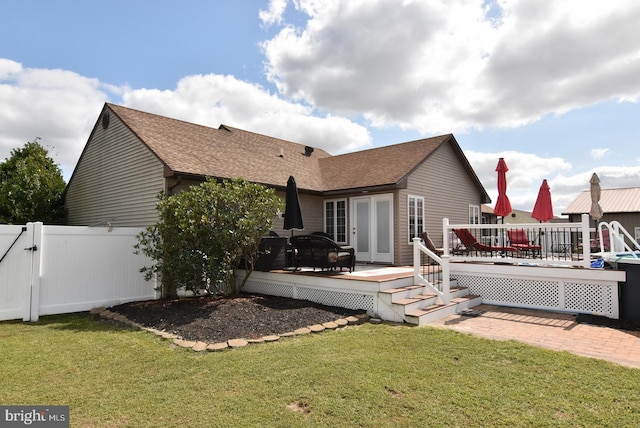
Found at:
[292, 213]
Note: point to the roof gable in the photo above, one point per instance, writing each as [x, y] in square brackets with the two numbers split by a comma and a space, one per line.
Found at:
[389, 166]
[382, 166]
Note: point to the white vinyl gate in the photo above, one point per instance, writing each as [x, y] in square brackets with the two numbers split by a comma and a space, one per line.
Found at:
[47, 270]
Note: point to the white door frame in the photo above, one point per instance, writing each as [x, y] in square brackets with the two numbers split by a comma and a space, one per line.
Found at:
[374, 252]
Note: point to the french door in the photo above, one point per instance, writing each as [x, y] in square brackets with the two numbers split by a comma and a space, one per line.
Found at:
[372, 228]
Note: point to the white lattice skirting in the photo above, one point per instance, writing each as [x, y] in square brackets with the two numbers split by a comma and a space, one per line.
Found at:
[325, 297]
[579, 297]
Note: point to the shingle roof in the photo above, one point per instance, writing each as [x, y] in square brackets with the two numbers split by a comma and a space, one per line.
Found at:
[227, 152]
[383, 166]
[625, 200]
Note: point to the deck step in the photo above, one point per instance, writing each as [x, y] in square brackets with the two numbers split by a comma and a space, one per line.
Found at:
[396, 295]
[416, 304]
[438, 311]
[395, 283]
[400, 293]
[392, 291]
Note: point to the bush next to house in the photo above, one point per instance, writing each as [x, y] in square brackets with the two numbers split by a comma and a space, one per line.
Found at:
[204, 234]
[31, 186]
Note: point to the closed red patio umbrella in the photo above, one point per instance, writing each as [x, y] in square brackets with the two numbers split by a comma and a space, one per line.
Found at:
[503, 206]
[543, 209]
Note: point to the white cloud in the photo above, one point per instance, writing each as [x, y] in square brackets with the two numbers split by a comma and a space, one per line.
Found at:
[9, 69]
[598, 153]
[526, 172]
[214, 99]
[273, 15]
[449, 66]
[58, 106]
[61, 107]
[611, 177]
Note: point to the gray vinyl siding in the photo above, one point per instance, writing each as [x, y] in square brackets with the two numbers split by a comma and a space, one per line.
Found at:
[175, 186]
[116, 180]
[448, 190]
[628, 220]
[312, 208]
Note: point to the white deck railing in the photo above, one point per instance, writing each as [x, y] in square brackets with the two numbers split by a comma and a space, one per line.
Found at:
[431, 271]
[551, 244]
[617, 242]
[544, 277]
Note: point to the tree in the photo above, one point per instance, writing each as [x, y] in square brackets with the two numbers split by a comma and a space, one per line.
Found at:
[31, 187]
[204, 234]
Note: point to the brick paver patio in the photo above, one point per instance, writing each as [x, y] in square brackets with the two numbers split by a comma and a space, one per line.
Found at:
[549, 330]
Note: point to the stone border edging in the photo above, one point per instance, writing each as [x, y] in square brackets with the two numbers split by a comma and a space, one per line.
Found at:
[199, 346]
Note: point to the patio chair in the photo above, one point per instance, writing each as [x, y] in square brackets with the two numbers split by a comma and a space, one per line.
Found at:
[471, 244]
[520, 240]
[430, 245]
[318, 251]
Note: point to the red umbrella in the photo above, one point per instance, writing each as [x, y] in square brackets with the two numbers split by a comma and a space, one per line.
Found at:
[543, 210]
[503, 206]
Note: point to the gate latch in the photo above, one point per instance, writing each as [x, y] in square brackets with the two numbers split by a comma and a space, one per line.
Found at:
[34, 248]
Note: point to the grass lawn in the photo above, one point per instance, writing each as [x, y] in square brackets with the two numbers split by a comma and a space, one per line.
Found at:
[365, 376]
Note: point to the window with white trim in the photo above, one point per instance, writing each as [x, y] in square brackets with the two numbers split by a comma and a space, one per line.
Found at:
[335, 220]
[474, 214]
[415, 214]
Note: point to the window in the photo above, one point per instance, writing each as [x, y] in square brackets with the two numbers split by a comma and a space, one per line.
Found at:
[474, 214]
[335, 220]
[415, 209]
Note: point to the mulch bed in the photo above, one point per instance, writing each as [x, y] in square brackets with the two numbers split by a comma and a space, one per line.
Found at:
[248, 316]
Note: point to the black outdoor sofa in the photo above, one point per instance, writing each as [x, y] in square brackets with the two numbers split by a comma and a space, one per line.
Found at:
[318, 251]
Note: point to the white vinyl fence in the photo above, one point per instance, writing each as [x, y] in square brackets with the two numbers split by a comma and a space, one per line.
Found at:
[47, 270]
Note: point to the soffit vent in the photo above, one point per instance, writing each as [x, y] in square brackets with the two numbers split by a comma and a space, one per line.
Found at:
[105, 120]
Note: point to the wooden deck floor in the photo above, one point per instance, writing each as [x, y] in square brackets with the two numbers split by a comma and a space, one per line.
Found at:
[364, 272]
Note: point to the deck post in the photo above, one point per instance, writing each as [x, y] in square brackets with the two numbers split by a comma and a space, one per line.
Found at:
[445, 235]
[417, 278]
[446, 286]
[586, 240]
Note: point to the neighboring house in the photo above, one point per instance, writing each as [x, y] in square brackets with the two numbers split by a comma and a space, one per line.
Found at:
[374, 200]
[622, 205]
[516, 217]
[519, 217]
[488, 216]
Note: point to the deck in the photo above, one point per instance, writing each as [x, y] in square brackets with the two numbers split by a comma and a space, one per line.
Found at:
[385, 292]
[390, 292]
[553, 273]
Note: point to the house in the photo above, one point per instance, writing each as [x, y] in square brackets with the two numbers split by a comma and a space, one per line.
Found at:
[375, 200]
[488, 216]
[516, 217]
[621, 205]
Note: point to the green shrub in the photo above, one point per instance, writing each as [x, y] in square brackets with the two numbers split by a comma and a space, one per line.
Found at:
[31, 186]
[205, 232]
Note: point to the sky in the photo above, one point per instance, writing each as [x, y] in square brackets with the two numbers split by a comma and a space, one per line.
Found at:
[551, 86]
